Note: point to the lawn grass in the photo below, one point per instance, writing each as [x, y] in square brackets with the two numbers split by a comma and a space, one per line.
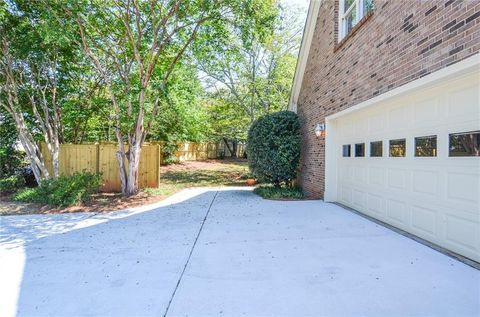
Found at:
[214, 173]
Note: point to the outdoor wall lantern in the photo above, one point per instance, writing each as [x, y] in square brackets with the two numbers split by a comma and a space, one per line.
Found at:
[320, 130]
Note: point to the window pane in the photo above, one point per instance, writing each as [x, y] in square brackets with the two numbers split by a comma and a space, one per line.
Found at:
[426, 146]
[350, 21]
[397, 148]
[360, 150]
[376, 149]
[346, 150]
[465, 144]
[347, 5]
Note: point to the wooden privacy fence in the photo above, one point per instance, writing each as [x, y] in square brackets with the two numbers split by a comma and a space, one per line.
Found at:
[190, 151]
[222, 148]
[100, 158]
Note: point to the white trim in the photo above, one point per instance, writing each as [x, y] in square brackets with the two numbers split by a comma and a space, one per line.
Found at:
[331, 156]
[469, 65]
[308, 31]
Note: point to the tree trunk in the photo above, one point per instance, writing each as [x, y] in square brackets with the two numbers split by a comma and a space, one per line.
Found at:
[133, 165]
[129, 175]
[232, 152]
[32, 150]
[234, 148]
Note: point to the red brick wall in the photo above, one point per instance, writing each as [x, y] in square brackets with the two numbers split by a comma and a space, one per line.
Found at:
[401, 41]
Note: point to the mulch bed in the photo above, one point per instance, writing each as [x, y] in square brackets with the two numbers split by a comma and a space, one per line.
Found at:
[102, 202]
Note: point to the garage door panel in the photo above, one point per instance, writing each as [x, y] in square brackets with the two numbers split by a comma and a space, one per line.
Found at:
[358, 198]
[376, 205]
[360, 174]
[347, 130]
[345, 195]
[397, 211]
[397, 178]
[463, 187]
[462, 232]
[436, 198]
[376, 175]
[361, 126]
[426, 182]
[399, 118]
[463, 103]
[425, 220]
[376, 123]
[425, 111]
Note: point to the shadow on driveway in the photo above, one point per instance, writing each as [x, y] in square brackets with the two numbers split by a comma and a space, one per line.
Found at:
[253, 257]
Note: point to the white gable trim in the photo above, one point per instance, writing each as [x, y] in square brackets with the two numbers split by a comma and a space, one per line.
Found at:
[303, 54]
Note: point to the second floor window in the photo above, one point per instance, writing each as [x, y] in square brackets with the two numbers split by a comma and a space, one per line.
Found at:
[350, 13]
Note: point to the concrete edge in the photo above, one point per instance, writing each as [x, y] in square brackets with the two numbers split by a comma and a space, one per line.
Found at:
[456, 256]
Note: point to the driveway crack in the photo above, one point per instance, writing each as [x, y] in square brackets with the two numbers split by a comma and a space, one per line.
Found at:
[190, 254]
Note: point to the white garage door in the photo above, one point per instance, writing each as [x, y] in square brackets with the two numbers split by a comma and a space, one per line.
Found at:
[409, 166]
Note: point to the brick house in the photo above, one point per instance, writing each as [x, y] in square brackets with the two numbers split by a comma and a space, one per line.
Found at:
[388, 96]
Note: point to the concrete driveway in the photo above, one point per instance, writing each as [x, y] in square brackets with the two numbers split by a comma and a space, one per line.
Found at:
[209, 252]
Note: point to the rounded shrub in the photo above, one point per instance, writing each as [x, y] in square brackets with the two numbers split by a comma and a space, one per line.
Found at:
[274, 148]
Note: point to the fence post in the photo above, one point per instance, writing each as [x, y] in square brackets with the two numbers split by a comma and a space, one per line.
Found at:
[159, 161]
[97, 157]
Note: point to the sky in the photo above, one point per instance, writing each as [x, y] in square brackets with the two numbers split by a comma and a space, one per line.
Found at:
[303, 4]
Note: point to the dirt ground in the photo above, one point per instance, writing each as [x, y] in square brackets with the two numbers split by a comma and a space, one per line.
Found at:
[174, 178]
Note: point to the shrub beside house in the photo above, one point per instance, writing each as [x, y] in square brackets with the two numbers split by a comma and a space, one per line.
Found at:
[274, 154]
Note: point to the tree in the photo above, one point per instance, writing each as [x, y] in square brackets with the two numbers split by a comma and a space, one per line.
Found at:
[135, 46]
[226, 122]
[181, 115]
[257, 69]
[34, 58]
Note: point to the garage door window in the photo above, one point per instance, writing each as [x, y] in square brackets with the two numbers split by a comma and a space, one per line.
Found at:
[465, 144]
[397, 148]
[360, 150]
[346, 149]
[376, 149]
[426, 146]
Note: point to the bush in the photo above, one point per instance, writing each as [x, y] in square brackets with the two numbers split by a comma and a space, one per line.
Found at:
[63, 191]
[11, 184]
[168, 152]
[274, 147]
[271, 192]
[11, 161]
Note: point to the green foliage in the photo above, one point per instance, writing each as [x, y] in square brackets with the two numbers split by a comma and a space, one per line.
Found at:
[181, 116]
[253, 74]
[11, 184]
[274, 147]
[248, 46]
[225, 118]
[63, 191]
[11, 160]
[28, 195]
[272, 192]
[168, 152]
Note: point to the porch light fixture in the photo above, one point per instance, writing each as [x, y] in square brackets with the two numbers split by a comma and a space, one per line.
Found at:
[320, 130]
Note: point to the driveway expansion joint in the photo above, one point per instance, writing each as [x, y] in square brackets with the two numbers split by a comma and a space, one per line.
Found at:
[190, 254]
